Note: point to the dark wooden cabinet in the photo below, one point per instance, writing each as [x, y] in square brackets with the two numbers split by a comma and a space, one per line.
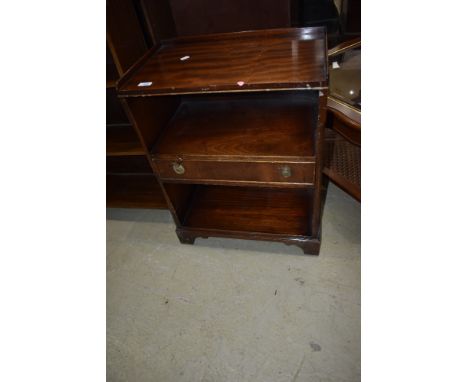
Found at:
[130, 180]
[234, 126]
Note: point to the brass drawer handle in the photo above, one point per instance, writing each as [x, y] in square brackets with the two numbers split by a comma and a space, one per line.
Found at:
[178, 168]
[285, 171]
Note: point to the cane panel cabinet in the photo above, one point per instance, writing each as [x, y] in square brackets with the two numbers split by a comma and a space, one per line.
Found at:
[234, 126]
[343, 133]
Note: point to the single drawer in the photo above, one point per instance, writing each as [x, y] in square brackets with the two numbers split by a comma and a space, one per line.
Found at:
[228, 171]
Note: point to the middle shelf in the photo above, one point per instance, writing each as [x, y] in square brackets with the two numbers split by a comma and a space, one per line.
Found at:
[255, 124]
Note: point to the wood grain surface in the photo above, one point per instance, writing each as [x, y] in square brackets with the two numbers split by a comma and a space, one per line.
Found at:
[292, 58]
[275, 211]
[279, 124]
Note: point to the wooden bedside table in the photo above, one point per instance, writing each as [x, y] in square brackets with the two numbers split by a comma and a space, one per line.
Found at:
[233, 124]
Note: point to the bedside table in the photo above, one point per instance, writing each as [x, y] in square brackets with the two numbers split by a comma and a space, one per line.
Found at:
[233, 125]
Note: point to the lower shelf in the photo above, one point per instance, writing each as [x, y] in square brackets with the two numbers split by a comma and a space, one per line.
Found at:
[134, 191]
[253, 213]
[250, 209]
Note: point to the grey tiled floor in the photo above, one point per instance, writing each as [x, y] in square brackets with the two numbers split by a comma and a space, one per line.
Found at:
[232, 310]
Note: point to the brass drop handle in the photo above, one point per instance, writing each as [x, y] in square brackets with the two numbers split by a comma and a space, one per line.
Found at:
[178, 167]
[285, 171]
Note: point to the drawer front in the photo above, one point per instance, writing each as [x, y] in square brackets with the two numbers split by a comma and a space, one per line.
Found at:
[237, 171]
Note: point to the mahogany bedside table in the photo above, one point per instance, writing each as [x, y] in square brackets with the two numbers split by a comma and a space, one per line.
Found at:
[233, 125]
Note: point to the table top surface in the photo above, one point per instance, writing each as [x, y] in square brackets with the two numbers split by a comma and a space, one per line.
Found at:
[273, 59]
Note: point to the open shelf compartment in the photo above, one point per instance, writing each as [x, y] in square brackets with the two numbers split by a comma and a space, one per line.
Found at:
[255, 124]
[134, 191]
[270, 211]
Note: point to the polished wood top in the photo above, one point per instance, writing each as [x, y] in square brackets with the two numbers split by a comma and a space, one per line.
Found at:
[272, 59]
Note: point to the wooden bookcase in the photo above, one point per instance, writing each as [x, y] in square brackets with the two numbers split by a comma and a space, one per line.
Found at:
[234, 124]
[131, 182]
